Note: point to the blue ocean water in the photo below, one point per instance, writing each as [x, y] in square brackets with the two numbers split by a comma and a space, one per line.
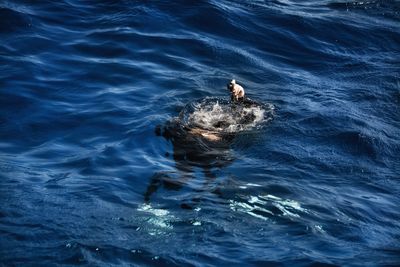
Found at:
[99, 167]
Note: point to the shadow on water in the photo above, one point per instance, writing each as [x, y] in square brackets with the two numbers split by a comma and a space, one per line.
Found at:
[201, 139]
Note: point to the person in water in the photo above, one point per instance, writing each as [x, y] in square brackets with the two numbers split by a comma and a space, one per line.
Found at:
[237, 91]
[237, 95]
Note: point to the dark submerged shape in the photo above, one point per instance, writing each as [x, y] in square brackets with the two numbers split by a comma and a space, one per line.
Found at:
[202, 135]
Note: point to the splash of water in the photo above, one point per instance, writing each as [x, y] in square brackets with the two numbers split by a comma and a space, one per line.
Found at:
[222, 116]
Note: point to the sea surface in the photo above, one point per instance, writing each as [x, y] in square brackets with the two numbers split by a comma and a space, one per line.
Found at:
[119, 145]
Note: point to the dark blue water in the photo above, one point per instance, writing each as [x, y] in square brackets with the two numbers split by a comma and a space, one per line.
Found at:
[98, 166]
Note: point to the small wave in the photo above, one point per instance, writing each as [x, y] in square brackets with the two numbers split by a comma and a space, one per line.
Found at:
[159, 219]
[266, 206]
[13, 19]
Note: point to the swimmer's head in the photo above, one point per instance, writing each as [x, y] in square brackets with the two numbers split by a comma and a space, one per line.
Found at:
[231, 85]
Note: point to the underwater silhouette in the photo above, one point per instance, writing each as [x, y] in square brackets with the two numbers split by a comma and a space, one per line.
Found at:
[201, 137]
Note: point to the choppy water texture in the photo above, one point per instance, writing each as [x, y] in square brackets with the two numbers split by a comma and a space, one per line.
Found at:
[118, 143]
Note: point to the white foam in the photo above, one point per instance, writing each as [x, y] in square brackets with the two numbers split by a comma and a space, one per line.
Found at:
[161, 218]
[150, 209]
[225, 118]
